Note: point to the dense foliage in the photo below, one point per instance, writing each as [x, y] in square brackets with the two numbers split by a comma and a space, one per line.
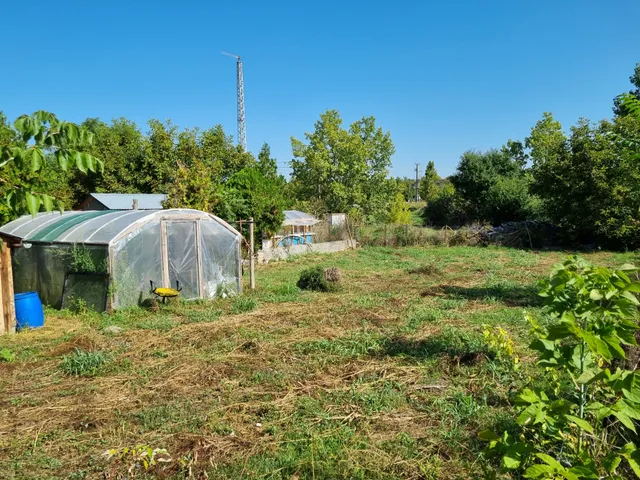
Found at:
[37, 153]
[339, 168]
[586, 182]
[582, 423]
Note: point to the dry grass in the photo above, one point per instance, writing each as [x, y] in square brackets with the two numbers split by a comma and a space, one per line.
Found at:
[370, 382]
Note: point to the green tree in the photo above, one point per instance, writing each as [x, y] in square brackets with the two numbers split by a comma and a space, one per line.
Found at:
[445, 208]
[122, 145]
[429, 183]
[266, 164]
[42, 144]
[342, 168]
[589, 182]
[619, 106]
[407, 187]
[493, 184]
[399, 210]
[252, 194]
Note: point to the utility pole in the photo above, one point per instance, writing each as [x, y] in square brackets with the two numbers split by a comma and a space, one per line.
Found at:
[417, 182]
[242, 125]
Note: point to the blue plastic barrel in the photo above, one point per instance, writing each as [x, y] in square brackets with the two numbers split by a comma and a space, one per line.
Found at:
[29, 313]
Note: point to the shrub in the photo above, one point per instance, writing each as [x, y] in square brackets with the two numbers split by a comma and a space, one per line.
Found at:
[587, 432]
[314, 278]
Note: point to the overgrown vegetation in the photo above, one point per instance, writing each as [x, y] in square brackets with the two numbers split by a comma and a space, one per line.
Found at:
[584, 428]
[393, 376]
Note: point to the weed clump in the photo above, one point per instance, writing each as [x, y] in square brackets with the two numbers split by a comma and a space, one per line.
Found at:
[319, 279]
[84, 364]
[243, 305]
[428, 269]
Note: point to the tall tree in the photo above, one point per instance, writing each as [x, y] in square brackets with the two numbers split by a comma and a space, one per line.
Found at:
[122, 145]
[493, 185]
[266, 164]
[429, 183]
[342, 168]
[619, 107]
[589, 181]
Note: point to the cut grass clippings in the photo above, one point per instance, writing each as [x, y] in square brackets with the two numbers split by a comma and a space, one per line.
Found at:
[387, 378]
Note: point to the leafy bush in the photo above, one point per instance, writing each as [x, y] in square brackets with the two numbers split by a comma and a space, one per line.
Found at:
[313, 278]
[85, 364]
[584, 433]
[446, 208]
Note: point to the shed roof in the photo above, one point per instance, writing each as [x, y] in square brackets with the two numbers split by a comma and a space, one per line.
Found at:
[295, 217]
[92, 227]
[124, 201]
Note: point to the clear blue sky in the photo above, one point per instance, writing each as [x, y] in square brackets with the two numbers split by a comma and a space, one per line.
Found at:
[443, 77]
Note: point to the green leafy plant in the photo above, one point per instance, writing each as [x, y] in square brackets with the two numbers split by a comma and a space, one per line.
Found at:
[584, 431]
[42, 137]
[138, 457]
[85, 364]
[7, 355]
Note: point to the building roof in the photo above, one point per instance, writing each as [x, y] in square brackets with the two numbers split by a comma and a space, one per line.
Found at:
[124, 201]
[295, 217]
[101, 227]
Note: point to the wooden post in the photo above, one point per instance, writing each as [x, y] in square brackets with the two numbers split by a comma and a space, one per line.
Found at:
[252, 273]
[7, 307]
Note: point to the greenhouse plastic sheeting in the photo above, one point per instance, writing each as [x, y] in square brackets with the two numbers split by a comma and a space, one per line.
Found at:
[137, 260]
[297, 218]
[133, 247]
[220, 260]
[182, 255]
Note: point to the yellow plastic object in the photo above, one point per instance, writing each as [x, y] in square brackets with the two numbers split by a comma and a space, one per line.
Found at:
[166, 292]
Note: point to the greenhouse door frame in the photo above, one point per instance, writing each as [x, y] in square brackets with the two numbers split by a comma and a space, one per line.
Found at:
[164, 247]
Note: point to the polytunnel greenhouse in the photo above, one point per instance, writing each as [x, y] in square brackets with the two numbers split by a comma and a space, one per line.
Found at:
[108, 259]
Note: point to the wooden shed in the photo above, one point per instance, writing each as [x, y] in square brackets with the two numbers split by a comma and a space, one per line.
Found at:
[7, 306]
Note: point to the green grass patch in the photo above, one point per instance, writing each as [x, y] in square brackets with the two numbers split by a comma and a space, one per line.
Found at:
[84, 364]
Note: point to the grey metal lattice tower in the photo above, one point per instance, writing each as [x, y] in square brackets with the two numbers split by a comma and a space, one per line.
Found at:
[242, 125]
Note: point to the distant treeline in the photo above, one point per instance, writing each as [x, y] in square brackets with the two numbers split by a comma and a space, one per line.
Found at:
[586, 182]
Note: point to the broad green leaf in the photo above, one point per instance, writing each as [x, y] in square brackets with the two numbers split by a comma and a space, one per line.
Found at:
[627, 267]
[37, 159]
[536, 471]
[633, 287]
[583, 424]
[487, 435]
[47, 202]
[611, 462]
[568, 474]
[614, 344]
[635, 465]
[583, 472]
[510, 463]
[33, 203]
[527, 396]
[630, 296]
[595, 295]
[79, 160]
[549, 460]
[63, 159]
[625, 420]
[528, 415]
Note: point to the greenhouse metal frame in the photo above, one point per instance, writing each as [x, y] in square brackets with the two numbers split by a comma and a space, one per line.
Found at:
[132, 247]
